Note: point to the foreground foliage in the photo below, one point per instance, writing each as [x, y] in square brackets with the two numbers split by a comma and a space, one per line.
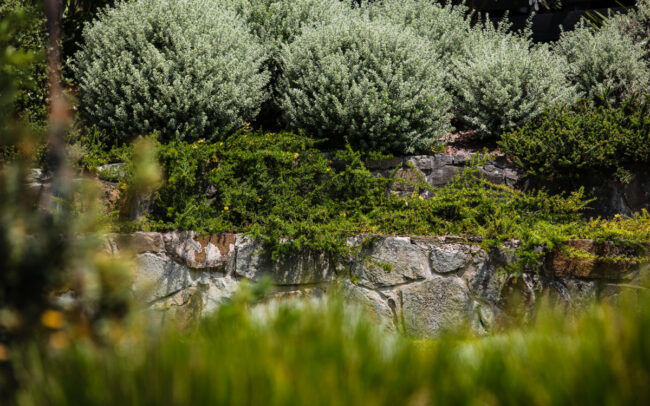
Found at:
[27, 25]
[327, 354]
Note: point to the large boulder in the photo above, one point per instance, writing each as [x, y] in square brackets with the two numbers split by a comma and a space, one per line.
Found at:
[434, 306]
[390, 261]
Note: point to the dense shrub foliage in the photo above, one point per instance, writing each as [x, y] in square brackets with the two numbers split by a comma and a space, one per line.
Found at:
[375, 84]
[279, 187]
[638, 25]
[277, 22]
[28, 36]
[604, 60]
[568, 146]
[447, 27]
[180, 67]
[635, 23]
[506, 82]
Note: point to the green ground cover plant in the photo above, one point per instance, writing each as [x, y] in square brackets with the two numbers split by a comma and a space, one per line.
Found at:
[177, 67]
[281, 189]
[569, 146]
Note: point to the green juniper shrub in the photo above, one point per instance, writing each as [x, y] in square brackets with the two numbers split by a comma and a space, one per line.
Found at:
[273, 185]
[282, 190]
[179, 67]
[375, 83]
[604, 59]
[569, 146]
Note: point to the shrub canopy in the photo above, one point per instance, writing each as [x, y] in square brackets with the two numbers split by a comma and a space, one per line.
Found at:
[447, 27]
[604, 60]
[506, 82]
[375, 84]
[180, 67]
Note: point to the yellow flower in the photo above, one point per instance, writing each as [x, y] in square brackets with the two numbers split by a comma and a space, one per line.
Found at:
[225, 208]
[421, 198]
[221, 144]
[52, 319]
[295, 155]
[200, 141]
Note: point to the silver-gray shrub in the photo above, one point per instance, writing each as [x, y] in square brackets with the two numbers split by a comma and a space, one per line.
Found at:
[604, 59]
[276, 22]
[448, 27]
[506, 81]
[375, 84]
[185, 68]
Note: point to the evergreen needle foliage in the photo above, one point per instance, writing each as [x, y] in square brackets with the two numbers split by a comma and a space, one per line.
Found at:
[569, 146]
[282, 190]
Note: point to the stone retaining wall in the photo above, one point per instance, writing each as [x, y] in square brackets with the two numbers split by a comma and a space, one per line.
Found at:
[419, 285]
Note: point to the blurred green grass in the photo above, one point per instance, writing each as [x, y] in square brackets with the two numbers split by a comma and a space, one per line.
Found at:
[324, 353]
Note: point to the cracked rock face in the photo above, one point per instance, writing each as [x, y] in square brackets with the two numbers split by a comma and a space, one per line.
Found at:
[406, 262]
[372, 301]
[160, 276]
[422, 286]
[450, 257]
[213, 251]
[434, 306]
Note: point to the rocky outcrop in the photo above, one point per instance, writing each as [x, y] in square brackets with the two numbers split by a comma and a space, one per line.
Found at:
[612, 197]
[440, 169]
[421, 286]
